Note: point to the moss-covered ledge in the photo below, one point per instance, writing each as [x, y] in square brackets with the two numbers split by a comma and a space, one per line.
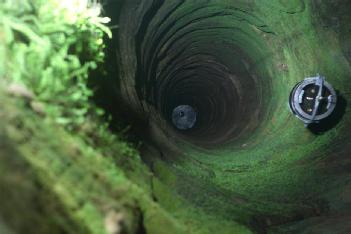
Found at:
[53, 182]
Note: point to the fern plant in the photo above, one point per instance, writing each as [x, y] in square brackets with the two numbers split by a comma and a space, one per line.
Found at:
[50, 46]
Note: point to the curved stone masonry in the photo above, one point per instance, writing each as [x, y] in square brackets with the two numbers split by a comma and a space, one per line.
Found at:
[247, 158]
[202, 55]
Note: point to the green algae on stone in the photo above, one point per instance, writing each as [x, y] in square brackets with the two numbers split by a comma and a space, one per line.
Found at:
[51, 180]
[275, 172]
[274, 175]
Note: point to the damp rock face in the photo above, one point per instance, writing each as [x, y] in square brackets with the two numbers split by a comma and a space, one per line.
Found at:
[247, 158]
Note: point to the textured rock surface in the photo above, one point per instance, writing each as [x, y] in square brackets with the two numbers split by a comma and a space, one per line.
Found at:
[52, 182]
[248, 166]
[247, 159]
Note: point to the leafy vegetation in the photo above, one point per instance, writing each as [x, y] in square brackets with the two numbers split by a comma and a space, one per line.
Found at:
[61, 170]
[50, 47]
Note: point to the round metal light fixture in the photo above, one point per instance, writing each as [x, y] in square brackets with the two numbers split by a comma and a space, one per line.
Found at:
[184, 117]
[312, 100]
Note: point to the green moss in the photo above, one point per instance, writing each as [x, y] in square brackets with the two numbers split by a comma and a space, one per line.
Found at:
[73, 185]
[61, 170]
[278, 173]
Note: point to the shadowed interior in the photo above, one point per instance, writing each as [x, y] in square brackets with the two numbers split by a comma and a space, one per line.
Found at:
[189, 55]
[248, 158]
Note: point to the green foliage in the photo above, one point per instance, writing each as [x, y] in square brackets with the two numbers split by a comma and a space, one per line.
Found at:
[50, 47]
